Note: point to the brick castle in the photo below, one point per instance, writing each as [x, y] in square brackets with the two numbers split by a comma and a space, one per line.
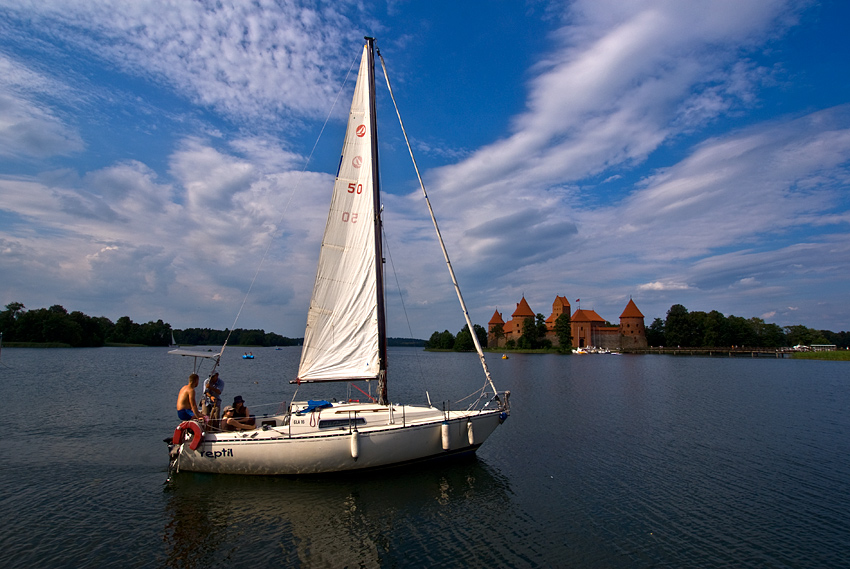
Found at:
[587, 327]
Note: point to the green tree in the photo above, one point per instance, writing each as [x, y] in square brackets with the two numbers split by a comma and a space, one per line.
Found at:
[772, 336]
[767, 335]
[447, 340]
[676, 326]
[741, 332]
[8, 320]
[59, 327]
[800, 335]
[122, 331]
[542, 330]
[15, 309]
[463, 340]
[481, 334]
[840, 339]
[715, 331]
[564, 332]
[655, 333]
[496, 335]
[530, 334]
[695, 329]
[29, 326]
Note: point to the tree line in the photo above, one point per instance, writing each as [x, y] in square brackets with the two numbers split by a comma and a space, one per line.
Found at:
[681, 328]
[239, 337]
[461, 343]
[57, 325]
[699, 329]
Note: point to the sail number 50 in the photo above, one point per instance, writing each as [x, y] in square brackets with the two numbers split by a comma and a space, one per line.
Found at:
[354, 187]
[346, 217]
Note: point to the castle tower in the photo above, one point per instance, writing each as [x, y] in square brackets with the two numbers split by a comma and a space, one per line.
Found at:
[493, 339]
[513, 327]
[560, 306]
[632, 327]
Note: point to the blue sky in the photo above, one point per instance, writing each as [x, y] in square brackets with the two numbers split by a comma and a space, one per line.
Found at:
[673, 152]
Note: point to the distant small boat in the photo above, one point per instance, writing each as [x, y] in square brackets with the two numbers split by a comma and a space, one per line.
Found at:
[504, 356]
[248, 356]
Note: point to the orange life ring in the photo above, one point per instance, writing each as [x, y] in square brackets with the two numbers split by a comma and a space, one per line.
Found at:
[197, 435]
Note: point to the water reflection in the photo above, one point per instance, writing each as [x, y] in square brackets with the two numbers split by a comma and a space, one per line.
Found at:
[399, 516]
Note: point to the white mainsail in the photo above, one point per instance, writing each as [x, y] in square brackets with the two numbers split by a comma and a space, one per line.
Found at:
[341, 340]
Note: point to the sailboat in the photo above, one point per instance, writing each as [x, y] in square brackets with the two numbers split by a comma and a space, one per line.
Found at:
[345, 340]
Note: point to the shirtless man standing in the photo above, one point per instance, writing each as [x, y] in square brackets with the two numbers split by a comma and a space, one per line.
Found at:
[187, 409]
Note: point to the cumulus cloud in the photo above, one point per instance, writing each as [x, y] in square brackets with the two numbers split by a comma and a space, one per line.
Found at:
[657, 285]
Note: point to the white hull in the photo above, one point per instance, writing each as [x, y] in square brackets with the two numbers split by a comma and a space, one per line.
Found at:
[384, 438]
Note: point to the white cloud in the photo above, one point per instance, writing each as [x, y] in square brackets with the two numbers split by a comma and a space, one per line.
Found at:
[255, 60]
[665, 286]
[28, 131]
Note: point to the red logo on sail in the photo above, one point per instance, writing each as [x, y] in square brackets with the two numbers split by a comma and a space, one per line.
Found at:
[361, 130]
[357, 162]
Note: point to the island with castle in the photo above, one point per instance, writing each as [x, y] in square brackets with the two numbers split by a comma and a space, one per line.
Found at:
[587, 327]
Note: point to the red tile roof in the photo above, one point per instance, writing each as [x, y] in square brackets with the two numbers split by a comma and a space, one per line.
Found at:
[523, 310]
[496, 319]
[631, 311]
[586, 316]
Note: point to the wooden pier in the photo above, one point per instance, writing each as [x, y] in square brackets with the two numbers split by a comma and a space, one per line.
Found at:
[729, 352]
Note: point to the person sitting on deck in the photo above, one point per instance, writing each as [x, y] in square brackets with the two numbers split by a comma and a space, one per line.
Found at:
[187, 409]
[241, 412]
[230, 423]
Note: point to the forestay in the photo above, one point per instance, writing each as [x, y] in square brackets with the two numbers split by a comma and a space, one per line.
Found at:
[341, 341]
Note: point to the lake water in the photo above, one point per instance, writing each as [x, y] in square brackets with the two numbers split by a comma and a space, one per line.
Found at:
[606, 461]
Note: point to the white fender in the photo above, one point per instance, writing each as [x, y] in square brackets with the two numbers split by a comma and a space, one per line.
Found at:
[444, 428]
[469, 434]
[355, 444]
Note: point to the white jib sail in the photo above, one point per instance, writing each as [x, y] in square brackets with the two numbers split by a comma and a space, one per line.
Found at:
[341, 338]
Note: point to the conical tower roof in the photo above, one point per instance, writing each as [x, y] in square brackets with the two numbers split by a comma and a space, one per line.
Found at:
[523, 310]
[631, 311]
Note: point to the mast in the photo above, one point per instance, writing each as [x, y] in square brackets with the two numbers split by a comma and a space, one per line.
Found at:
[379, 255]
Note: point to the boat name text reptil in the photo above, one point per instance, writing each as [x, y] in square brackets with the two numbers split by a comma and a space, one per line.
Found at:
[217, 453]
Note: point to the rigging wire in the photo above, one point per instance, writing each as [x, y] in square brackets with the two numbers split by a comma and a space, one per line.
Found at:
[286, 206]
[439, 236]
[404, 309]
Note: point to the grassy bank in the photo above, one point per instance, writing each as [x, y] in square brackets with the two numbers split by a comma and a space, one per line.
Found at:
[837, 356]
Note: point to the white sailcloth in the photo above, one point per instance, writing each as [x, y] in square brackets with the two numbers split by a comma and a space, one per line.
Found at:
[341, 339]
